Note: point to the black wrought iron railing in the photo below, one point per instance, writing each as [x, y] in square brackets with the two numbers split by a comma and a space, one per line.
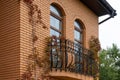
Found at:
[69, 56]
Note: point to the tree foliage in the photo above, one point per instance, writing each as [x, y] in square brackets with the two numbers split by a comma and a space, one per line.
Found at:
[110, 63]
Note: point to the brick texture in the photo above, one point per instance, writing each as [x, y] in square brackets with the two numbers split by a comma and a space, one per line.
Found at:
[9, 39]
[16, 31]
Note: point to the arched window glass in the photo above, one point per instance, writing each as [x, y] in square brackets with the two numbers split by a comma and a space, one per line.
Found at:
[77, 25]
[55, 10]
[55, 21]
[78, 32]
[55, 30]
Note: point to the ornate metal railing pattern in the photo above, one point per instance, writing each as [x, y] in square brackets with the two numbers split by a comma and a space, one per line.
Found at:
[69, 56]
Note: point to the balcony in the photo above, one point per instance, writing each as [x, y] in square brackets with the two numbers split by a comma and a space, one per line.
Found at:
[68, 56]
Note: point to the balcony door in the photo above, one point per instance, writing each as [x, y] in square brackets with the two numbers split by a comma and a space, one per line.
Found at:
[78, 43]
[56, 31]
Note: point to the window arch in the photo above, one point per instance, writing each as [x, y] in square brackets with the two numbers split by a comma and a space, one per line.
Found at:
[56, 24]
[55, 21]
[78, 32]
[78, 39]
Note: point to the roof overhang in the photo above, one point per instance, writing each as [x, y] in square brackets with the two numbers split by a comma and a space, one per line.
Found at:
[100, 7]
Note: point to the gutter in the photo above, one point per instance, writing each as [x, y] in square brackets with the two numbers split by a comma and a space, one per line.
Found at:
[111, 16]
[104, 20]
[110, 10]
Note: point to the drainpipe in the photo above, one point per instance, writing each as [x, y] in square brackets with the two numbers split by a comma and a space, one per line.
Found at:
[105, 20]
[111, 16]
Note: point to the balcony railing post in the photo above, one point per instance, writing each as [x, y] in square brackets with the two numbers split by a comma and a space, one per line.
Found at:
[79, 53]
[65, 55]
[51, 57]
[83, 64]
[57, 51]
[61, 54]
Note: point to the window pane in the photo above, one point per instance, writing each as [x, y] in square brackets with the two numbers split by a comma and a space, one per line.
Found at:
[76, 47]
[57, 34]
[53, 32]
[55, 10]
[77, 25]
[77, 44]
[77, 35]
[55, 23]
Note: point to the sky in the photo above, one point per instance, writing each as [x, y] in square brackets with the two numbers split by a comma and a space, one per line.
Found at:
[109, 31]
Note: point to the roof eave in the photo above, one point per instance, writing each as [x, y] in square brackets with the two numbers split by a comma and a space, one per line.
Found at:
[100, 7]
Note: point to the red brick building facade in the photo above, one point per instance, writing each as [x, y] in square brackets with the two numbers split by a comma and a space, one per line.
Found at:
[16, 32]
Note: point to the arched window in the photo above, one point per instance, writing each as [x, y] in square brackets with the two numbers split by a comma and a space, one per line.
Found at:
[55, 21]
[78, 33]
[55, 30]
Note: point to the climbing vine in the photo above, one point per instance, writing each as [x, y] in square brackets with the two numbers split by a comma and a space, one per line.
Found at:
[94, 46]
[35, 61]
[34, 13]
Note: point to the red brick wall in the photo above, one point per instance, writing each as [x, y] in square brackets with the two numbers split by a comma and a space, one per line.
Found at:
[26, 32]
[73, 9]
[16, 31]
[9, 39]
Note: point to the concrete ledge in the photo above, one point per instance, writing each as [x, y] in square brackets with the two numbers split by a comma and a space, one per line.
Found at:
[62, 75]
